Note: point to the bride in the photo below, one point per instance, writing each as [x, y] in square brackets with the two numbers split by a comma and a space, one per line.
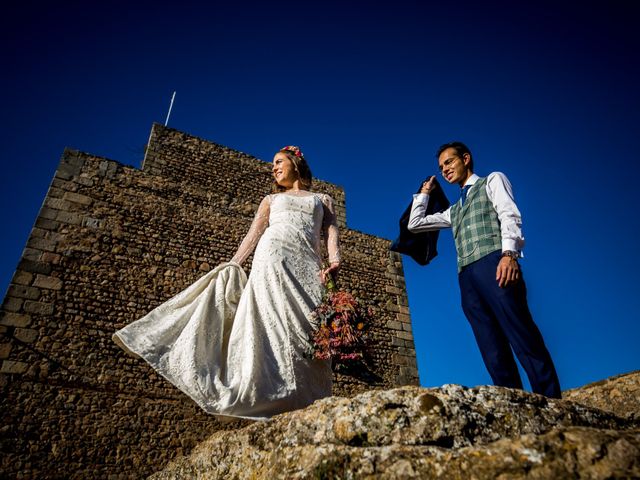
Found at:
[239, 347]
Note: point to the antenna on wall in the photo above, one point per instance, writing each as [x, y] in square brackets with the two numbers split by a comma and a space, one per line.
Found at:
[146, 149]
[173, 97]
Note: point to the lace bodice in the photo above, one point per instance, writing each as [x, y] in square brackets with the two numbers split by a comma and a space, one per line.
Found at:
[306, 213]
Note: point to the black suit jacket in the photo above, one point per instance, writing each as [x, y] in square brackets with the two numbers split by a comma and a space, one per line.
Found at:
[421, 246]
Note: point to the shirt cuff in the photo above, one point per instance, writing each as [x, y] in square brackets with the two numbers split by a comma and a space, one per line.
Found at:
[421, 197]
[510, 245]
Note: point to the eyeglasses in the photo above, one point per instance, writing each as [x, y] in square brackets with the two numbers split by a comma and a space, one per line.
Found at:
[448, 162]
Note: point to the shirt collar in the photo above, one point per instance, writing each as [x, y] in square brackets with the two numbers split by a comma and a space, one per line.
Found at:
[472, 180]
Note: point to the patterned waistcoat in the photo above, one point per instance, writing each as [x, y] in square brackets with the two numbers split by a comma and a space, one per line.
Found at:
[476, 228]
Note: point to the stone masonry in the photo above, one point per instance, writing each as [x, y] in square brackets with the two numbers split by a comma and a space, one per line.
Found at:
[112, 242]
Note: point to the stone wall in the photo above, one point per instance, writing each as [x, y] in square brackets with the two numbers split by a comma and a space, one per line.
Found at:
[112, 242]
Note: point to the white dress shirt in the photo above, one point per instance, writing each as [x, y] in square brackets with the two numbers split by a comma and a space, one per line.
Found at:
[501, 196]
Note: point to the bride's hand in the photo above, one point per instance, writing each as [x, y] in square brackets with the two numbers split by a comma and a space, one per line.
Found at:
[332, 269]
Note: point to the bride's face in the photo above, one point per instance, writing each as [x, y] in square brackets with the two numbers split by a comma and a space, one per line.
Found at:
[283, 170]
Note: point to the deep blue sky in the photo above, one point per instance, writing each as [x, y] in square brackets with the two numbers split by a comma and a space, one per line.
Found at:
[546, 93]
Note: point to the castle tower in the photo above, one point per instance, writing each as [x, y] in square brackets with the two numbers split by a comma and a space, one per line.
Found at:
[110, 243]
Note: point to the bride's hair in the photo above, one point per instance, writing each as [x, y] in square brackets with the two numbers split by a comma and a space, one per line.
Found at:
[301, 167]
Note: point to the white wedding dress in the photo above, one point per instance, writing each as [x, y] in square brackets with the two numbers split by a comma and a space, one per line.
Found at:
[240, 347]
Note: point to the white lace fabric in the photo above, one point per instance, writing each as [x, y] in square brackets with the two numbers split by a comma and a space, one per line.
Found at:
[240, 347]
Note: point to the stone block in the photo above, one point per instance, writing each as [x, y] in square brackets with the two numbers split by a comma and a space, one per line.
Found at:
[27, 335]
[12, 304]
[49, 257]
[87, 182]
[393, 290]
[34, 266]
[394, 325]
[32, 254]
[57, 203]
[11, 319]
[77, 198]
[47, 224]
[44, 244]
[5, 350]
[9, 366]
[403, 317]
[38, 308]
[405, 335]
[70, 218]
[406, 327]
[50, 283]
[20, 291]
[92, 222]
[48, 213]
[22, 278]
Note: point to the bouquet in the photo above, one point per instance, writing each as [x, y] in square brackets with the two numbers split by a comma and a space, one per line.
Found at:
[341, 327]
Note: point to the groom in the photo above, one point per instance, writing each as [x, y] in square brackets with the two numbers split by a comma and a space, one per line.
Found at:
[486, 228]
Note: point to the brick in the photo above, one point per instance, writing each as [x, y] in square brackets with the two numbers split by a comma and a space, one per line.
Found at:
[50, 283]
[22, 278]
[9, 366]
[406, 327]
[27, 335]
[20, 291]
[38, 308]
[77, 198]
[397, 342]
[11, 319]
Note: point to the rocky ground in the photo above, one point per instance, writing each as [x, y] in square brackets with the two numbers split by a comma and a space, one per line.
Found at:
[450, 432]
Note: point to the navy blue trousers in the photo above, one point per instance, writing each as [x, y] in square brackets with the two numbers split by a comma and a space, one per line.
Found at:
[501, 320]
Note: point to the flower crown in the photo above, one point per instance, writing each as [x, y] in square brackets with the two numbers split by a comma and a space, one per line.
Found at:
[293, 149]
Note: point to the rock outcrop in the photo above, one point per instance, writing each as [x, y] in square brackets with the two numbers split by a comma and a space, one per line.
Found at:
[410, 432]
[619, 395]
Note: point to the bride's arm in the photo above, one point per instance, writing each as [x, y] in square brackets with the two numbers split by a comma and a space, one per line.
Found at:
[331, 234]
[258, 226]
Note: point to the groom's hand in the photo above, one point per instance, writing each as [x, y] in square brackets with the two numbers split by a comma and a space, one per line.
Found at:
[508, 271]
[428, 185]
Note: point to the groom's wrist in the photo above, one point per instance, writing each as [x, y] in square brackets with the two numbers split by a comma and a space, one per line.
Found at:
[512, 254]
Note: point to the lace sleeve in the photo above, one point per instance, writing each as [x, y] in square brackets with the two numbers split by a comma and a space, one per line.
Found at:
[258, 226]
[330, 230]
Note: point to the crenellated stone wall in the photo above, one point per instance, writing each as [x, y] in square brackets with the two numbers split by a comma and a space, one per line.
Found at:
[112, 242]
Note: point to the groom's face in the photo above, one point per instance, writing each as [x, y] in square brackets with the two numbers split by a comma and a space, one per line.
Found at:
[454, 168]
